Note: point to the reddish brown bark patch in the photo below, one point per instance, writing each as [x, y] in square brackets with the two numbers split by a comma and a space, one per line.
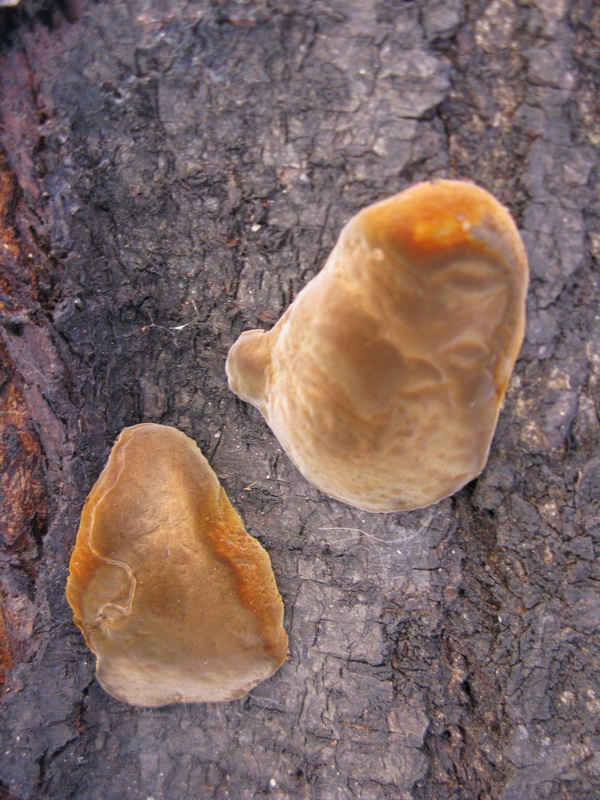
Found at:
[6, 656]
[22, 486]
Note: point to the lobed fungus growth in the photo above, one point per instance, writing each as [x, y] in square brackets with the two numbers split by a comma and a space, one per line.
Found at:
[176, 600]
[384, 379]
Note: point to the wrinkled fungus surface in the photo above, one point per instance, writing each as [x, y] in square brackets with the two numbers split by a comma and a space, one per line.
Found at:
[384, 379]
[176, 600]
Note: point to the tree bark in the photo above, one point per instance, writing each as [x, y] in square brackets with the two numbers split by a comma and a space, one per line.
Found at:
[171, 174]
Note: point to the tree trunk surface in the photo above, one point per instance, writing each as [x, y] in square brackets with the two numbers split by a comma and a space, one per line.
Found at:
[173, 173]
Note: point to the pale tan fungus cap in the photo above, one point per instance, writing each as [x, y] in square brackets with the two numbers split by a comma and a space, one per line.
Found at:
[176, 600]
[384, 379]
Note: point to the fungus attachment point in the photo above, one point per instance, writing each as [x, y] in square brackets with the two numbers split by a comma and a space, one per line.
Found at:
[384, 379]
[176, 600]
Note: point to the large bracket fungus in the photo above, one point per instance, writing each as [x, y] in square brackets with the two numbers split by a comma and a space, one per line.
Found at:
[177, 601]
[384, 379]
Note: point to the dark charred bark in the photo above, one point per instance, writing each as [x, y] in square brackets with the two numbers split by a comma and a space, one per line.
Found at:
[172, 174]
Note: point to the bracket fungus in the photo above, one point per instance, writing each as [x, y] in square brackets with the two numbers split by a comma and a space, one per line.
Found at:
[384, 378]
[176, 600]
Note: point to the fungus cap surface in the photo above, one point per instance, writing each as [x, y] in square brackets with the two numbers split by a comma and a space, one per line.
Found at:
[176, 600]
[384, 378]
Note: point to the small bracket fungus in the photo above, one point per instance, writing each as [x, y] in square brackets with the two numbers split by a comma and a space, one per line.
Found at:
[176, 600]
[384, 379]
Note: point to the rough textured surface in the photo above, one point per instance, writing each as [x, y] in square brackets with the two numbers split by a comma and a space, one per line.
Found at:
[176, 173]
[384, 378]
[176, 600]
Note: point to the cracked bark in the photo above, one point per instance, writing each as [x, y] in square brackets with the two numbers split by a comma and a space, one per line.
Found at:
[172, 174]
